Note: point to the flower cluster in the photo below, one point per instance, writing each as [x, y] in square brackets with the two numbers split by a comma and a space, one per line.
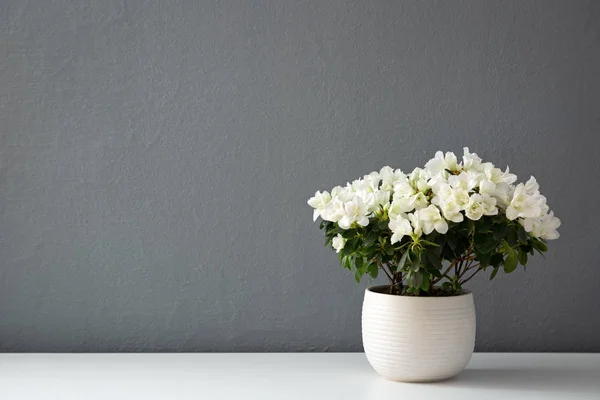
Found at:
[429, 199]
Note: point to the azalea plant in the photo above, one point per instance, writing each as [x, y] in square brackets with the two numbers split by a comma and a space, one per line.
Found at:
[432, 230]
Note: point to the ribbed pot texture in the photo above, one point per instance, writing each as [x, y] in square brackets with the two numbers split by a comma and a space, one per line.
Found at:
[418, 339]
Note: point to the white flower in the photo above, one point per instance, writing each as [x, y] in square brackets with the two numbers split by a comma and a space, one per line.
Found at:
[474, 210]
[442, 162]
[438, 181]
[500, 191]
[496, 175]
[451, 202]
[319, 202]
[381, 198]
[403, 189]
[397, 208]
[544, 227]
[366, 186]
[386, 173]
[338, 243]
[480, 205]
[465, 180]
[366, 189]
[373, 176]
[341, 193]
[448, 194]
[547, 227]
[334, 211]
[488, 187]
[354, 211]
[451, 211]
[407, 204]
[531, 186]
[461, 198]
[526, 202]
[489, 205]
[416, 223]
[503, 194]
[496, 183]
[390, 177]
[409, 193]
[400, 227]
[419, 179]
[431, 219]
[429, 198]
[471, 161]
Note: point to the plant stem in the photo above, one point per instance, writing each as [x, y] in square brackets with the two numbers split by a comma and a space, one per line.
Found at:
[472, 275]
[387, 273]
[459, 267]
[452, 264]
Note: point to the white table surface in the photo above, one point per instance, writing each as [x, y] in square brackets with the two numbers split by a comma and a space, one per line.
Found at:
[287, 376]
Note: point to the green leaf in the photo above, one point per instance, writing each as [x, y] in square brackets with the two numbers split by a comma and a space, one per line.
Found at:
[358, 262]
[370, 239]
[373, 270]
[334, 231]
[349, 234]
[456, 286]
[496, 260]
[435, 272]
[361, 268]
[469, 225]
[462, 244]
[368, 251]
[386, 259]
[448, 253]
[527, 248]
[522, 257]
[345, 261]
[402, 261]
[414, 280]
[435, 261]
[350, 246]
[512, 236]
[484, 224]
[500, 232]
[484, 243]
[382, 225]
[499, 219]
[451, 240]
[425, 285]
[415, 262]
[437, 250]
[521, 234]
[494, 272]
[484, 259]
[539, 245]
[511, 262]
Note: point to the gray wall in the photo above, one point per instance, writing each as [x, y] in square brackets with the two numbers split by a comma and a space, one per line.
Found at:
[156, 159]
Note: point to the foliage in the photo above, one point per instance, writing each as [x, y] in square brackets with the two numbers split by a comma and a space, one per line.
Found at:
[431, 231]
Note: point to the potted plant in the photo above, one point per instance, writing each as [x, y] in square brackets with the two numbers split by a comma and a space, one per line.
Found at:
[430, 232]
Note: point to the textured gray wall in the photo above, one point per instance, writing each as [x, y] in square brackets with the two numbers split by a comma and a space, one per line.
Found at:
[156, 158]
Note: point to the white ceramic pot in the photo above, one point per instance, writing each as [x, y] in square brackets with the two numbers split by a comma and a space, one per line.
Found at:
[417, 339]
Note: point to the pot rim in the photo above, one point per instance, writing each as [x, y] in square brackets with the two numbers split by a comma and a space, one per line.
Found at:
[428, 298]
